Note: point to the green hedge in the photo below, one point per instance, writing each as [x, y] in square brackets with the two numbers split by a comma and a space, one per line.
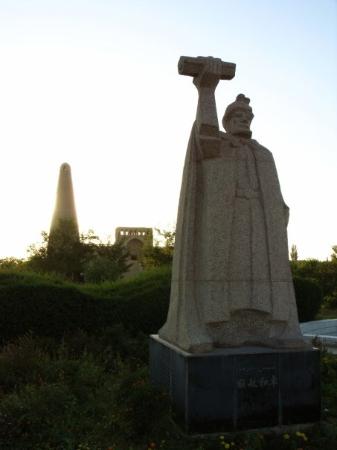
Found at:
[141, 303]
[308, 297]
[49, 307]
[49, 310]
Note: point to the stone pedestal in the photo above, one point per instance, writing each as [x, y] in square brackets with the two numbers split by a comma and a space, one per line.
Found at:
[238, 388]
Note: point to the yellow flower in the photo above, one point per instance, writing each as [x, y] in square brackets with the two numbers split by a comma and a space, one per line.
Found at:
[222, 437]
[227, 445]
[302, 435]
[286, 436]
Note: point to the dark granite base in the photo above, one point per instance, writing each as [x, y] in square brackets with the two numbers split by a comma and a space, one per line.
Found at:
[238, 389]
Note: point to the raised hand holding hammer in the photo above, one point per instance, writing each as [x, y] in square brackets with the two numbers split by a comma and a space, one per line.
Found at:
[206, 73]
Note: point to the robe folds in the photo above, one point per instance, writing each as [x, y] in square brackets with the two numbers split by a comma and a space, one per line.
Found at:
[231, 279]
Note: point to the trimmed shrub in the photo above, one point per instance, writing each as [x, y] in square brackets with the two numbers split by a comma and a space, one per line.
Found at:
[143, 301]
[308, 298]
[51, 308]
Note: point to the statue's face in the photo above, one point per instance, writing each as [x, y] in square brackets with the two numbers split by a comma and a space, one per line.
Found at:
[239, 123]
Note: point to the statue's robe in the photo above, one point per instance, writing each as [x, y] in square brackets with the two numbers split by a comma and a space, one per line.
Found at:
[231, 280]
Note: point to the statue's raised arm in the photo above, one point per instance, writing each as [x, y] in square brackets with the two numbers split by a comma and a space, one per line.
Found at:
[206, 73]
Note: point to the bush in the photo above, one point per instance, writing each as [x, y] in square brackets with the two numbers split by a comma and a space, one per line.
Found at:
[49, 401]
[51, 308]
[101, 268]
[324, 273]
[54, 399]
[329, 388]
[81, 394]
[142, 301]
[141, 407]
[72, 256]
[330, 301]
[308, 298]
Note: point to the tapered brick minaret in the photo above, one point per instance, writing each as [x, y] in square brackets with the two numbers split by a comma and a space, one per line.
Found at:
[65, 211]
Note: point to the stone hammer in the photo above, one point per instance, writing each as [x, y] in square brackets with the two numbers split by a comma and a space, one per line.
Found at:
[192, 67]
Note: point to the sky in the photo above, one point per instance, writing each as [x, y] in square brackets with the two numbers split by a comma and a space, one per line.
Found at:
[95, 84]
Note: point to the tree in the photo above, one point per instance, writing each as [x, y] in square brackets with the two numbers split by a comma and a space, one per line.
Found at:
[84, 258]
[107, 262]
[294, 253]
[160, 254]
[323, 272]
[60, 252]
[11, 263]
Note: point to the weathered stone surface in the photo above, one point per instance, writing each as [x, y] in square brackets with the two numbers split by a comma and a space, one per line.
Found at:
[134, 240]
[65, 211]
[231, 281]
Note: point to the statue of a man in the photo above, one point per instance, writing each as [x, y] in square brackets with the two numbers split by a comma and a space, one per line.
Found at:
[231, 281]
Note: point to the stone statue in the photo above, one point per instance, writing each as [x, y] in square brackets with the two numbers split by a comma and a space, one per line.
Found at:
[231, 281]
